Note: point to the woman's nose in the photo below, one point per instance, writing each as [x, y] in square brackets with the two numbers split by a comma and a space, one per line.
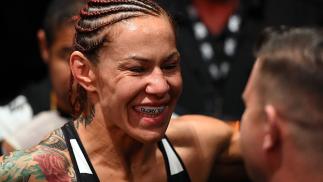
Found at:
[157, 83]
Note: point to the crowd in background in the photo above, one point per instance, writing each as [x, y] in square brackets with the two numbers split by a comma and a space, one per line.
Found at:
[216, 40]
[21, 50]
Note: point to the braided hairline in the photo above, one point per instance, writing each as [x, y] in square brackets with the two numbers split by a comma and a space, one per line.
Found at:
[145, 3]
[94, 19]
[122, 7]
[151, 7]
[92, 46]
[127, 9]
[134, 13]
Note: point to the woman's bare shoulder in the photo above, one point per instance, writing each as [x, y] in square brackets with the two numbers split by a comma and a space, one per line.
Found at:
[47, 161]
[199, 127]
[199, 140]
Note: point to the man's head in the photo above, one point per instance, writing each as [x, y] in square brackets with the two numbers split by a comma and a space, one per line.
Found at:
[56, 42]
[284, 102]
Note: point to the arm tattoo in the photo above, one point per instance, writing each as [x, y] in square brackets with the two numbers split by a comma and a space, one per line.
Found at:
[18, 166]
[45, 162]
[55, 140]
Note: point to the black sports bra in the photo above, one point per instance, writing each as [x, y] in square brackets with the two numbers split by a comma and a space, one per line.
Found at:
[85, 172]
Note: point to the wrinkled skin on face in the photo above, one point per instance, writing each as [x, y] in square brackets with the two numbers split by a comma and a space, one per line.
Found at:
[138, 77]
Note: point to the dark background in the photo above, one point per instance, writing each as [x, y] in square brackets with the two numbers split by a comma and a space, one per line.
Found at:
[20, 59]
[21, 63]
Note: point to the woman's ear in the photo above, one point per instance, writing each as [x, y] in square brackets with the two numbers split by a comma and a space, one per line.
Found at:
[43, 45]
[82, 71]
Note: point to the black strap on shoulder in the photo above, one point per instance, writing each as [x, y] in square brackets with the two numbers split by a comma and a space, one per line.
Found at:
[163, 151]
[70, 133]
[179, 177]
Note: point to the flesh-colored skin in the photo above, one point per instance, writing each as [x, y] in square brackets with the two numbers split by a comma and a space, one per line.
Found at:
[252, 127]
[56, 56]
[199, 140]
[138, 70]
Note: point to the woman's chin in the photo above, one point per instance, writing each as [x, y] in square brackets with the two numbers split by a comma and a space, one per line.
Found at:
[151, 136]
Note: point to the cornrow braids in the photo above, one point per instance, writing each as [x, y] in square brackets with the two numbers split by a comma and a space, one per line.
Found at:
[95, 18]
[99, 15]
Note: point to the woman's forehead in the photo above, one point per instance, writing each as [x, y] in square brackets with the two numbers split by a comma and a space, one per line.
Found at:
[145, 23]
[140, 30]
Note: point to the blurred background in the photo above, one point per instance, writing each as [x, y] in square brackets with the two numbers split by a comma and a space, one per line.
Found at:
[20, 59]
[21, 63]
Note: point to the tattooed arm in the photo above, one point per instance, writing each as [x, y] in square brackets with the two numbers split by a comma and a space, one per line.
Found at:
[20, 166]
[47, 161]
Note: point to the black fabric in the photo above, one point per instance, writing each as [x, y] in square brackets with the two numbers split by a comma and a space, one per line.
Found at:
[293, 12]
[26, 66]
[201, 95]
[38, 95]
[70, 133]
[179, 177]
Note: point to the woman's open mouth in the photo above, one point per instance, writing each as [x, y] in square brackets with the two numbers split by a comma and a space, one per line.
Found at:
[150, 111]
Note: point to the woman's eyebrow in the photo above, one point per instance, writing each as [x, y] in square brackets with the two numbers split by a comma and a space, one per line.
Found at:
[172, 55]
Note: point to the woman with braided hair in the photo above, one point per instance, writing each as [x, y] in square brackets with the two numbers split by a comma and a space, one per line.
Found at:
[125, 83]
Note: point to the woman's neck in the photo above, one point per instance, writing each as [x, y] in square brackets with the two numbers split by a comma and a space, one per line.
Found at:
[103, 142]
[215, 13]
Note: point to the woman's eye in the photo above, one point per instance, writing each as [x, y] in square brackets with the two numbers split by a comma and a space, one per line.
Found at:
[170, 66]
[137, 69]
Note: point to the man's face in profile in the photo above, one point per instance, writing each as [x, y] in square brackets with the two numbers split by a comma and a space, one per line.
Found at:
[58, 62]
[252, 125]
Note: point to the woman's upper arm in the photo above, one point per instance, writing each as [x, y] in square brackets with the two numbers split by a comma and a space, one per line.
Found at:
[19, 166]
[204, 139]
[217, 143]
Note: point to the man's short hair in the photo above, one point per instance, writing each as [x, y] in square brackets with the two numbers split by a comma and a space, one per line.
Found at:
[60, 13]
[291, 76]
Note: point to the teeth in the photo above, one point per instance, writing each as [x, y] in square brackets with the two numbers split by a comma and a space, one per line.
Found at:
[151, 110]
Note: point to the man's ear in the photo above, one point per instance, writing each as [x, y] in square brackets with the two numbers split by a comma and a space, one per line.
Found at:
[82, 71]
[43, 45]
[272, 132]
